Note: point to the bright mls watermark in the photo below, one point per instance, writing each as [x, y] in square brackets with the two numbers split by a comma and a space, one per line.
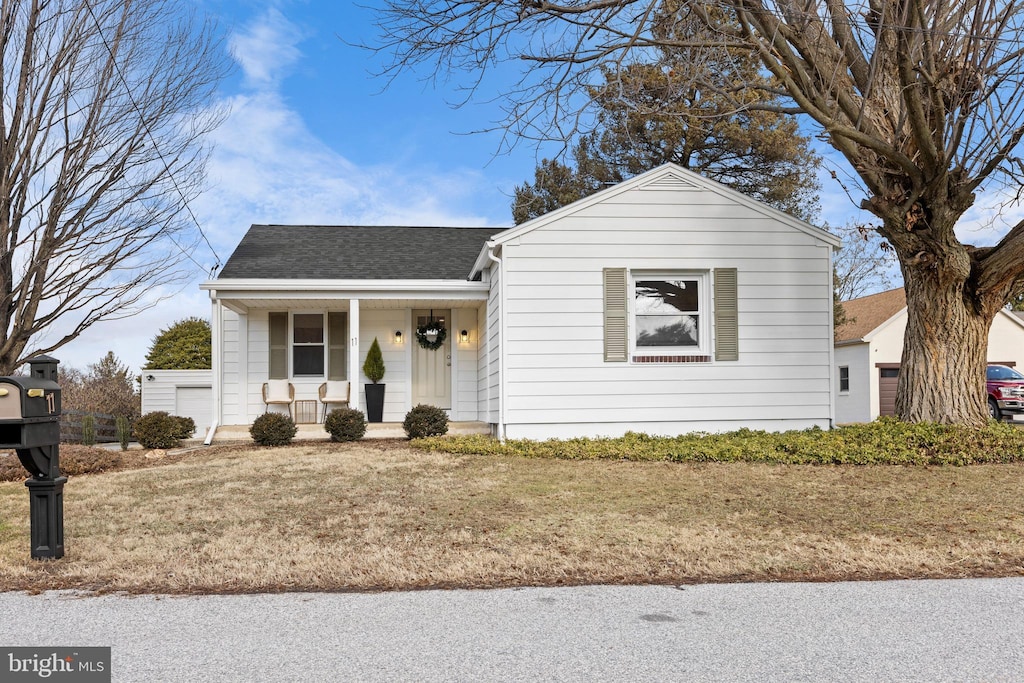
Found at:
[79, 664]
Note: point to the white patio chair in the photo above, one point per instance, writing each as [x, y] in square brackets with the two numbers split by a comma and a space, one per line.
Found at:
[334, 391]
[278, 392]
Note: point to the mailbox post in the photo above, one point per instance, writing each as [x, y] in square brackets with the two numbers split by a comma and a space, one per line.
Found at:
[30, 424]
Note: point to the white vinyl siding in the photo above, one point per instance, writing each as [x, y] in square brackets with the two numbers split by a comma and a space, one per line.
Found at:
[187, 393]
[557, 377]
[492, 412]
[464, 364]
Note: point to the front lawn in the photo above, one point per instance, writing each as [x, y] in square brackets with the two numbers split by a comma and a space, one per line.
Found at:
[383, 516]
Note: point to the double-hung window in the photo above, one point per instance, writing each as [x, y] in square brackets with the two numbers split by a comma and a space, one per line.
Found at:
[313, 342]
[308, 345]
[669, 313]
[668, 316]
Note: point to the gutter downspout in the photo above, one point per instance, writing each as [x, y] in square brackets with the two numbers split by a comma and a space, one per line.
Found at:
[832, 370]
[502, 312]
[217, 336]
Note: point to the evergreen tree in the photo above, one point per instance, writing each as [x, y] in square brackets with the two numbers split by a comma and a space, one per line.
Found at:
[185, 345]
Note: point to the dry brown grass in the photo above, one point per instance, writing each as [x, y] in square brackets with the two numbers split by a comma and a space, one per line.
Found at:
[366, 517]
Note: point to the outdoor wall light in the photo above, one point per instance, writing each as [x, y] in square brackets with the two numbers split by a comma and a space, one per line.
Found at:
[398, 336]
[464, 336]
[150, 378]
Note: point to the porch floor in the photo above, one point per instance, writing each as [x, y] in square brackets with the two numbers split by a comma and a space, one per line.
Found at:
[376, 430]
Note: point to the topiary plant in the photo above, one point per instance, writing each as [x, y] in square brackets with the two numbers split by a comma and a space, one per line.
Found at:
[345, 424]
[373, 368]
[424, 420]
[273, 429]
[157, 430]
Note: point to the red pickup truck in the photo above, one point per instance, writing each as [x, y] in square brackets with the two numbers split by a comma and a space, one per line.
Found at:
[1005, 391]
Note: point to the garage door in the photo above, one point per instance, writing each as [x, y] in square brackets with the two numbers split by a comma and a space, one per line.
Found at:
[887, 379]
[197, 403]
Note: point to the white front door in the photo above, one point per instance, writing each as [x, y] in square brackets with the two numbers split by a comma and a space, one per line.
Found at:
[432, 368]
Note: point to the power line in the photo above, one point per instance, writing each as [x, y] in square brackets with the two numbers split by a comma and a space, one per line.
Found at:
[156, 147]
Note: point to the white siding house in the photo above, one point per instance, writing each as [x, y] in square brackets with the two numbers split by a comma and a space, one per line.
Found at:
[666, 304]
[869, 350]
[547, 317]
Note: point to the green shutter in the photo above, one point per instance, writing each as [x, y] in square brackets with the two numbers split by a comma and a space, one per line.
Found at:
[616, 315]
[278, 346]
[727, 333]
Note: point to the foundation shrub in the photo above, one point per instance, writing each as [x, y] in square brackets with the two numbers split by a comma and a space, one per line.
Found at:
[883, 442]
[273, 429]
[158, 430]
[184, 427]
[424, 420]
[345, 424]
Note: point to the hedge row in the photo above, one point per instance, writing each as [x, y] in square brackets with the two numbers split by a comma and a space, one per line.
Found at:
[885, 441]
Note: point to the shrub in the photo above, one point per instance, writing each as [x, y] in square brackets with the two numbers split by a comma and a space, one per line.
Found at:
[424, 420]
[185, 427]
[273, 429]
[124, 431]
[88, 430]
[345, 424]
[883, 442]
[157, 430]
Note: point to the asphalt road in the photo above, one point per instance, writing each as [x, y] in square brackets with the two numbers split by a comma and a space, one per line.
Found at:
[966, 630]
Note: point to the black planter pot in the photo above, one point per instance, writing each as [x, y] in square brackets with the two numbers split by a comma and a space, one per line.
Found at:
[374, 402]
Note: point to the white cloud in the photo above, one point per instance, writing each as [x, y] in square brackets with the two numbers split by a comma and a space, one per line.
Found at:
[266, 49]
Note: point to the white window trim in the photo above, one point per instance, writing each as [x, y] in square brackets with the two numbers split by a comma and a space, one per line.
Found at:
[704, 313]
[292, 343]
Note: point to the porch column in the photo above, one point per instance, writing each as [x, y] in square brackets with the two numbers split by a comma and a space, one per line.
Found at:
[354, 362]
[216, 339]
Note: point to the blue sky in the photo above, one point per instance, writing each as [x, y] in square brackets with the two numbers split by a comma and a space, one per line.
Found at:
[313, 137]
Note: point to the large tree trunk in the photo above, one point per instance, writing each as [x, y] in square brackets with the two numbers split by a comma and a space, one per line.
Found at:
[942, 377]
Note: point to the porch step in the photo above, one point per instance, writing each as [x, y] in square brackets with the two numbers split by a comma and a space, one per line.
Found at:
[315, 432]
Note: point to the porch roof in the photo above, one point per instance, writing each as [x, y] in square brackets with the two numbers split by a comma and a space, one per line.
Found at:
[350, 252]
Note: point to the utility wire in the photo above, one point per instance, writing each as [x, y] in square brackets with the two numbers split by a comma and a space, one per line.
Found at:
[156, 147]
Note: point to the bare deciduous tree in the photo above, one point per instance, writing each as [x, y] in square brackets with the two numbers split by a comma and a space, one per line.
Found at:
[923, 99]
[105, 105]
[864, 265]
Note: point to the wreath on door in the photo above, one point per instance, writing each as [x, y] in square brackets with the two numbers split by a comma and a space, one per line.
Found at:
[431, 335]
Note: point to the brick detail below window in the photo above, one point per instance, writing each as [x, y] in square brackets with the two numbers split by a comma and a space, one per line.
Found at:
[671, 359]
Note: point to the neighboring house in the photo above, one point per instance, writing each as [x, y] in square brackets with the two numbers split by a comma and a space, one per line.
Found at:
[870, 347]
[665, 304]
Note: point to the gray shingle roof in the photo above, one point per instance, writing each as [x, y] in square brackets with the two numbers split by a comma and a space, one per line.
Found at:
[345, 252]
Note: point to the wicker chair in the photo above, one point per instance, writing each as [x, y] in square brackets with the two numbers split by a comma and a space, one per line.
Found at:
[278, 392]
[339, 391]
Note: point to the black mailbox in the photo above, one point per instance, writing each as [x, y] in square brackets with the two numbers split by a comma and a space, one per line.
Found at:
[30, 421]
[30, 424]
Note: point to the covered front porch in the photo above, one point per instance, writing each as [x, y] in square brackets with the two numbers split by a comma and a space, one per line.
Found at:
[312, 332]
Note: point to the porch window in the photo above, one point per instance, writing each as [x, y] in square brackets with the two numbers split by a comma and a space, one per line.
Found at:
[312, 347]
[308, 345]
